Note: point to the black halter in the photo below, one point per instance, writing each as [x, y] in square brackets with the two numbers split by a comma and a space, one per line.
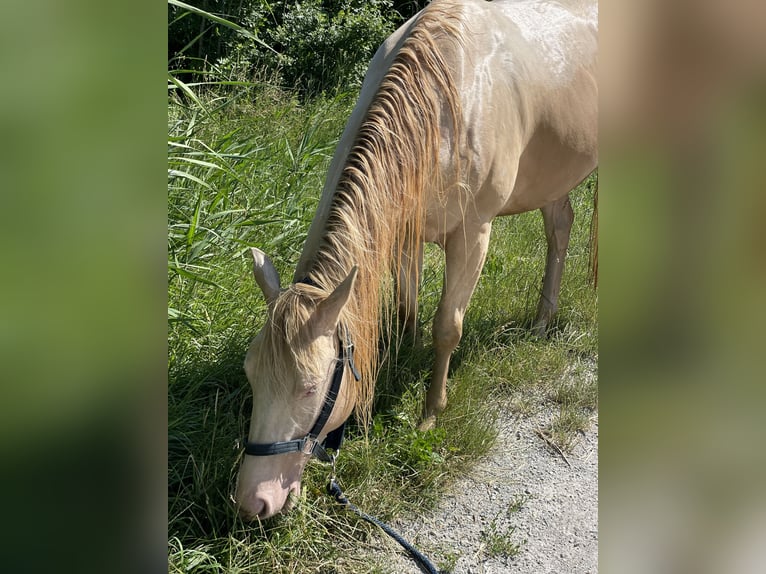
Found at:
[309, 443]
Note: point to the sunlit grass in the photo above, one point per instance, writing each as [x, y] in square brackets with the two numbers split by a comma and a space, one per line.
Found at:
[249, 172]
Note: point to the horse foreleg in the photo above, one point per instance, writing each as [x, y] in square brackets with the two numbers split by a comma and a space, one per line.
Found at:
[408, 283]
[557, 219]
[465, 257]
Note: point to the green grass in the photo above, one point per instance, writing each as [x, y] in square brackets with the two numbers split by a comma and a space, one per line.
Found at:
[500, 541]
[248, 171]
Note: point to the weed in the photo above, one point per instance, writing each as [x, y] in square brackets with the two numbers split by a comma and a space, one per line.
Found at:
[497, 539]
[518, 501]
[498, 536]
[448, 558]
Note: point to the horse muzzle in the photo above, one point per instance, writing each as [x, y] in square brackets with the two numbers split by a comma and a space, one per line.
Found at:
[267, 499]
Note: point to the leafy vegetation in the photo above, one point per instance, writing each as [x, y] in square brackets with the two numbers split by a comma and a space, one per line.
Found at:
[311, 45]
[314, 47]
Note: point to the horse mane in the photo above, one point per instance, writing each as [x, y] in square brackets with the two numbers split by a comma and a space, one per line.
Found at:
[379, 203]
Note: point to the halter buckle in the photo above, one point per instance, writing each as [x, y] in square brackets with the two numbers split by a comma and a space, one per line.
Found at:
[308, 444]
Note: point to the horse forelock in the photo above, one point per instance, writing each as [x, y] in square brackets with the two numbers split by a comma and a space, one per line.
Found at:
[379, 203]
[283, 351]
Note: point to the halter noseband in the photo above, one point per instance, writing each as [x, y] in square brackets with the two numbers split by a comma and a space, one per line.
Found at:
[309, 443]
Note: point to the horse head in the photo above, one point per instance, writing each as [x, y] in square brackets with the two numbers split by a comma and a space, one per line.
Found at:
[290, 365]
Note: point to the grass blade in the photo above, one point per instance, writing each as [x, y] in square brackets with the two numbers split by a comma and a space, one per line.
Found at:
[221, 21]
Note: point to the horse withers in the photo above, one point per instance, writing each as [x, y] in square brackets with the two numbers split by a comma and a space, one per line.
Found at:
[469, 111]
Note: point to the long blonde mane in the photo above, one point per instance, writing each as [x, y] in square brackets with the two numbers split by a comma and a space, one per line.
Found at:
[380, 200]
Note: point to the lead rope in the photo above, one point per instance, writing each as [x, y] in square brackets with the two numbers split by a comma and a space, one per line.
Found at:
[334, 490]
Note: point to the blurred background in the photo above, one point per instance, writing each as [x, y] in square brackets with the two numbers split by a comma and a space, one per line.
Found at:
[682, 279]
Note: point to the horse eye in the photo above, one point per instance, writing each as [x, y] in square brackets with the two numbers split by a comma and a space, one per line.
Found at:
[309, 391]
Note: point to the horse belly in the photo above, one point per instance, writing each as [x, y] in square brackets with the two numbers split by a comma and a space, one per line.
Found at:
[547, 170]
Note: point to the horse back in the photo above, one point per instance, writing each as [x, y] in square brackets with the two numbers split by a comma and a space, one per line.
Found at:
[526, 72]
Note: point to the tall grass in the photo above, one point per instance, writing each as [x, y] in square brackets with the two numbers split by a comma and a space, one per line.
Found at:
[247, 171]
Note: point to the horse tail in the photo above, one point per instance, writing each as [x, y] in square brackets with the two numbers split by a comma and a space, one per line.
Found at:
[593, 244]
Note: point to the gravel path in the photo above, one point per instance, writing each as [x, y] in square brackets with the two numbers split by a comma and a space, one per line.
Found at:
[480, 521]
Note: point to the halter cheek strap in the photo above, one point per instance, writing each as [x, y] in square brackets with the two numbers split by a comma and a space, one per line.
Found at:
[310, 444]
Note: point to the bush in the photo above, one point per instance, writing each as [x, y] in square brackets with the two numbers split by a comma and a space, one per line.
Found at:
[313, 46]
[318, 45]
[195, 41]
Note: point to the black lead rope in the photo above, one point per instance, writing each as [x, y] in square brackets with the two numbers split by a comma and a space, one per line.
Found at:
[334, 490]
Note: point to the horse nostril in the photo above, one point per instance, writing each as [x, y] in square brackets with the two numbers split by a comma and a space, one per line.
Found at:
[259, 509]
[262, 508]
[265, 503]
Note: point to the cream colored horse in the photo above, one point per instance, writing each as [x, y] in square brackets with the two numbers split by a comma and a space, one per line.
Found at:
[469, 111]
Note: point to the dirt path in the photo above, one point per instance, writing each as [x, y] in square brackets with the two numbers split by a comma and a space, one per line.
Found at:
[480, 521]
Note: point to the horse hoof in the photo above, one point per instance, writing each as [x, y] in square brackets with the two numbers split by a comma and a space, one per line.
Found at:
[540, 330]
[427, 424]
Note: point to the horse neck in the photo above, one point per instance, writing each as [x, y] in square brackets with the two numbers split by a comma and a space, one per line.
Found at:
[339, 164]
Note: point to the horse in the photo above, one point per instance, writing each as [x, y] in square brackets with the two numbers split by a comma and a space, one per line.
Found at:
[469, 111]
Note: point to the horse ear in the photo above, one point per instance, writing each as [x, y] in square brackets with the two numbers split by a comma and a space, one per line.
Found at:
[265, 275]
[324, 320]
